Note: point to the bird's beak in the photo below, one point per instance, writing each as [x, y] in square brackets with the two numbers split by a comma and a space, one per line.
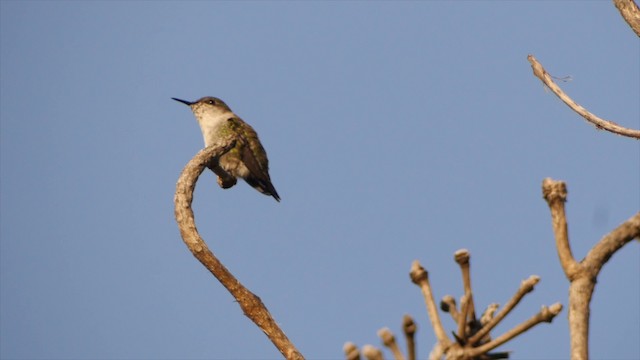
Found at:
[183, 101]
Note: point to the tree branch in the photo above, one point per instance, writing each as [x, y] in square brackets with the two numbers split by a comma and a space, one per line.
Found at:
[582, 276]
[526, 287]
[420, 277]
[251, 304]
[351, 351]
[389, 341]
[448, 304]
[599, 123]
[545, 315]
[372, 353]
[555, 193]
[409, 328]
[612, 242]
[462, 258]
[630, 12]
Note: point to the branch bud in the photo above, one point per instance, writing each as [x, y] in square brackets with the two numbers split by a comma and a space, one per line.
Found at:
[372, 353]
[418, 274]
[409, 326]
[462, 257]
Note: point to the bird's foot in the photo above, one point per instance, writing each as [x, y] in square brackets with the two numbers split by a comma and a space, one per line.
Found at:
[226, 182]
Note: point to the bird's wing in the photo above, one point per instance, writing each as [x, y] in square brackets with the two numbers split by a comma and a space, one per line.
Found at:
[258, 166]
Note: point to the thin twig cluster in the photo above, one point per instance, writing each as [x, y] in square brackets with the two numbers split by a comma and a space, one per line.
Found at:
[370, 352]
[471, 339]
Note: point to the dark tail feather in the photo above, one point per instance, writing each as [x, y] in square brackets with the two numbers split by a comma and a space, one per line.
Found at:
[274, 193]
[264, 186]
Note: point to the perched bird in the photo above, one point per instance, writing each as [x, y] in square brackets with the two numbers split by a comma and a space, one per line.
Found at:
[247, 159]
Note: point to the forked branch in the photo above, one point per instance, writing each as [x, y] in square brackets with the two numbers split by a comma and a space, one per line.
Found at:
[584, 274]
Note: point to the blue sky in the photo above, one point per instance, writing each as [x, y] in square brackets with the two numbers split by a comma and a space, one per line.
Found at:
[395, 131]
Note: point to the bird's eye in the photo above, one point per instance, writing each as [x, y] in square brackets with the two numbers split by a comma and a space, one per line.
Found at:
[211, 102]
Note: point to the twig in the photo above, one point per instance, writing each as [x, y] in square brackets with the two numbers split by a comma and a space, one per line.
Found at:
[409, 328]
[462, 257]
[488, 314]
[555, 193]
[526, 286]
[436, 352]
[465, 305]
[372, 353]
[420, 277]
[545, 315]
[448, 304]
[251, 304]
[390, 341]
[599, 123]
[486, 317]
[351, 351]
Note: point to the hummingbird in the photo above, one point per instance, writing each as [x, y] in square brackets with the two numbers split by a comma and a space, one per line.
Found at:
[247, 159]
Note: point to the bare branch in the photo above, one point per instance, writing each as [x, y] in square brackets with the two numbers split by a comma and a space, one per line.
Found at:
[420, 277]
[462, 257]
[525, 287]
[582, 286]
[409, 328]
[485, 319]
[545, 315]
[555, 193]
[580, 293]
[465, 305]
[488, 314]
[583, 275]
[599, 123]
[611, 243]
[390, 341]
[630, 12]
[251, 304]
[436, 352]
[351, 351]
[448, 304]
[372, 353]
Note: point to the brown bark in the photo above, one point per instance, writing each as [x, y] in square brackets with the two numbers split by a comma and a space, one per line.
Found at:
[250, 304]
[582, 275]
[598, 122]
[630, 12]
